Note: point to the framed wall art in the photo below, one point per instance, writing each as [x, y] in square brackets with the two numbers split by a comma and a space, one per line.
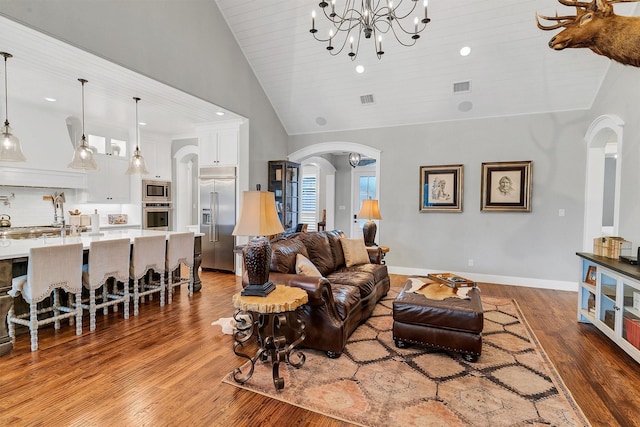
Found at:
[441, 188]
[506, 186]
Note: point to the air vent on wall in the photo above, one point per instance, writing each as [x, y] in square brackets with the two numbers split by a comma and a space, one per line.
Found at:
[462, 87]
[367, 99]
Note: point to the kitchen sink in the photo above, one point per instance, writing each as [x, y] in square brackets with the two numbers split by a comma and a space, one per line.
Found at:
[32, 232]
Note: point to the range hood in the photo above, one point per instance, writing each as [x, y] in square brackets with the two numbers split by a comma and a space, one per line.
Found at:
[44, 137]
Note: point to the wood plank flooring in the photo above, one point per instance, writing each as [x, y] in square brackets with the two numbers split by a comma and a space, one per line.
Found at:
[164, 367]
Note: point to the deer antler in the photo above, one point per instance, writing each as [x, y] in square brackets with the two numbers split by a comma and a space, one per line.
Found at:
[583, 4]
[564, 21]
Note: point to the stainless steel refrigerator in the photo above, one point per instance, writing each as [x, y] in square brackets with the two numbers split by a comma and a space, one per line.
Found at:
[218, 217]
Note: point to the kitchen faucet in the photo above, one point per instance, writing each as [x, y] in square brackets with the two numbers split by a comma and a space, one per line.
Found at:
[58, 200]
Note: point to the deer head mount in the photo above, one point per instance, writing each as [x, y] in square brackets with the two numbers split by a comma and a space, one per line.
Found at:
[597, 27]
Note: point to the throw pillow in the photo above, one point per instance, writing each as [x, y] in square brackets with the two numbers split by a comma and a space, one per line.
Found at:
[306, 267]
[355, 252]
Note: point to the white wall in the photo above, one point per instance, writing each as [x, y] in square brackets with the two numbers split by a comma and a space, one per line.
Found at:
[536, 246]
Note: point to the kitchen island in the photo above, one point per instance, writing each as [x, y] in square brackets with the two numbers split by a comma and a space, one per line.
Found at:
[14, 255]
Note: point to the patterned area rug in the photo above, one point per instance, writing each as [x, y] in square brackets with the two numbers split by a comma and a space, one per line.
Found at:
[374, 383]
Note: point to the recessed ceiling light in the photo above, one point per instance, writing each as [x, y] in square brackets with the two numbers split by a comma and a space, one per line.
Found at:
[220, 113]
[50, 99]
[321, 121]
[359, 69]
[142, 123]
[465, 51]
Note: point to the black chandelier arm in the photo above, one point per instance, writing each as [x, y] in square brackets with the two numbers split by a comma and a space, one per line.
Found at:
[414, 38]
[396, 7]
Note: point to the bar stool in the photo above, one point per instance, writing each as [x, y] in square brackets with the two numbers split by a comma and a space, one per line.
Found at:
[179, 250]
[148, 253]
[49, 269]
[107, 259]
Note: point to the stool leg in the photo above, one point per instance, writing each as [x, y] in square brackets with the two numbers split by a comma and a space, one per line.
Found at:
[105, 298]
[126, 300]
[33, 325]
[169, 288]
[79, 313]
[12, 327]
[92, 308]
[190, 284]
[136, 283]
[162, 290]
[56, 312]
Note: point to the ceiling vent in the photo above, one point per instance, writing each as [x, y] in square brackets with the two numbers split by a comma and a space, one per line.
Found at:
[367, 99]
[462, 87]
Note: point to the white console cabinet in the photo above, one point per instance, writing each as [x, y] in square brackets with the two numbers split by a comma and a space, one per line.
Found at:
[218, 146]
[609, 297]
[109, 184]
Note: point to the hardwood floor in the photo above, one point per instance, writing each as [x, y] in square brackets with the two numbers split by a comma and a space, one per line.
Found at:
[164, 367]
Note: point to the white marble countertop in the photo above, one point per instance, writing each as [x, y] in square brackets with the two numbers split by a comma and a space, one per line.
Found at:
[19, 248]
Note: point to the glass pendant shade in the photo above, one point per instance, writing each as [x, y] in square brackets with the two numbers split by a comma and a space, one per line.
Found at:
[136, 163]
[83, 157]
[10, 149]
[354, 159]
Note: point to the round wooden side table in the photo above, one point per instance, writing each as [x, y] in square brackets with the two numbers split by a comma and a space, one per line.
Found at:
[270, 318]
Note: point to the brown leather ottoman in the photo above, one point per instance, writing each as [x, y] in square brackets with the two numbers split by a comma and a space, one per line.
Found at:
[452, 324]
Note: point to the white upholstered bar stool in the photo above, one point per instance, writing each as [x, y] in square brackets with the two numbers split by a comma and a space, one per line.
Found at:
[49, 269]
[179, 251]
[107, 259]
[147, 253]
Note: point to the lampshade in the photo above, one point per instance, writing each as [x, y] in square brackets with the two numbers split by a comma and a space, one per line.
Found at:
[258, 216]
[83, 155]
[10, 149]
[136, 163]
[369, 210]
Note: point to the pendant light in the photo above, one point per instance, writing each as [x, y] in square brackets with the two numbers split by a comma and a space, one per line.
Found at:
[83, 155]
[136, 164]
[10, 149]
[354, 159]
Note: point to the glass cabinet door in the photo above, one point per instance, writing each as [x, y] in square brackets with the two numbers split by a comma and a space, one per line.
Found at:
[631, 313]
[608, 297]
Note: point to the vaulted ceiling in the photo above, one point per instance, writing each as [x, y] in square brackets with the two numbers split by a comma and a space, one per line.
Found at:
[511, 69]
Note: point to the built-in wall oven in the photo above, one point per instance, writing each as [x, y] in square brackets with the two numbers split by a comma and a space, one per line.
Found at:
[156, 216]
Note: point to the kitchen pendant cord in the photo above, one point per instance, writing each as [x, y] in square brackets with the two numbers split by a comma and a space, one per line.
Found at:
[6, 94]
[83, 81]
[135, 98]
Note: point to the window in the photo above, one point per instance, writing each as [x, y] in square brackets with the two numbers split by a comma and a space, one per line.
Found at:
[309, 212]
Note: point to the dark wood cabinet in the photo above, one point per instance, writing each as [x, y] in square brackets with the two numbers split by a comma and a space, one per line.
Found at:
[284, 181]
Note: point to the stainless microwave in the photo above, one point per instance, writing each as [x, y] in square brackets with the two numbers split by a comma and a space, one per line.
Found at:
[156, 191]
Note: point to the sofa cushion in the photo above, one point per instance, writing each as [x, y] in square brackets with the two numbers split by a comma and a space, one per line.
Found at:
[355, 252]
[346, 298]
[306, 267]
[360, 280]
[317, 245]
[334, 237]
[283, 255]
[379, 271]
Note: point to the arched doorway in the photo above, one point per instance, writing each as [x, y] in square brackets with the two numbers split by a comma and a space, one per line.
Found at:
[314, 151]
[604, 136]
[185, 176]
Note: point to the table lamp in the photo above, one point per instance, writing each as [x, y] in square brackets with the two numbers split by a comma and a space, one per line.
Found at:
[369, 211]
[258, 217]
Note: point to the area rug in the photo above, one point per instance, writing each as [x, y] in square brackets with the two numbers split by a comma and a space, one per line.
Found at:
[374, 383]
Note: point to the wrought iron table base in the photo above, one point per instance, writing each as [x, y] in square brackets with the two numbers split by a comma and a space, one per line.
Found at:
[273, 344]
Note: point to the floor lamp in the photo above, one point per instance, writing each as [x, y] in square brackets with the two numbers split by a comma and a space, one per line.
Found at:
[369, 211]
[258, 217]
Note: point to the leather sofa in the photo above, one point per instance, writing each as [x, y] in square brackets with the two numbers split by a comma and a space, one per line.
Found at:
[342, 298]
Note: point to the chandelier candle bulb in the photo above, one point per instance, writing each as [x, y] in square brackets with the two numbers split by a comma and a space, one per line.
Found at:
[426, 17]
[313, 21]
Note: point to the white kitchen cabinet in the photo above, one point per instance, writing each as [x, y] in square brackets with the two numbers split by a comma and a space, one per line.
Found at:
[218, 147]
[109, 184]
[609, 297]
[157, 156]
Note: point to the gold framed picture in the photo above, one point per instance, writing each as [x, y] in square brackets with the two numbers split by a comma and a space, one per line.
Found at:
[441, 188]
[506, 186]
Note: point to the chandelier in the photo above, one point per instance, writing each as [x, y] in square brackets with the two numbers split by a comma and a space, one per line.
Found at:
[373, 18]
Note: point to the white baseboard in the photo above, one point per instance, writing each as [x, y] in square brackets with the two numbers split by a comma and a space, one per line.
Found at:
[559, 285]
